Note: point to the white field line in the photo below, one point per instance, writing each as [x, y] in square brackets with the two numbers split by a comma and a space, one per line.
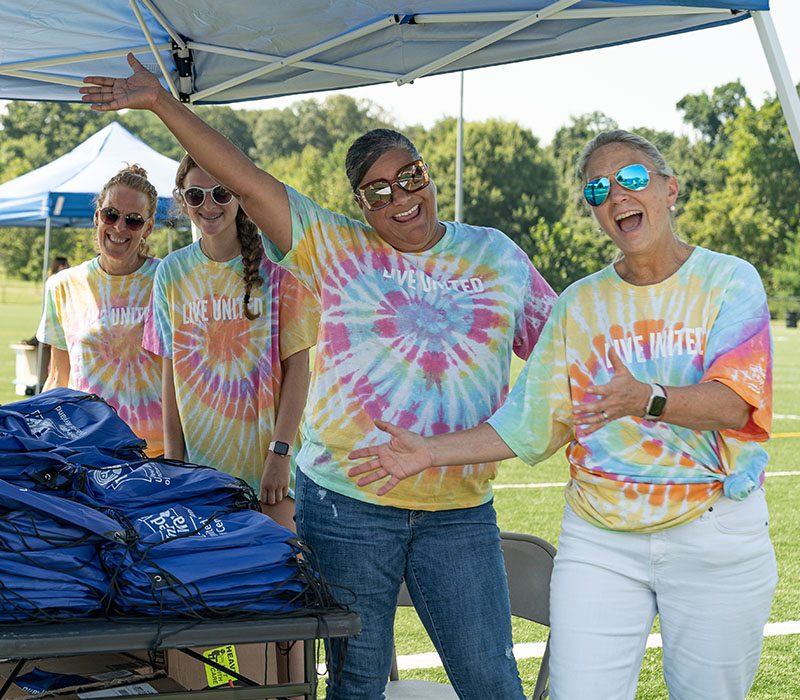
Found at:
[529, 650]
[785, 416]
[546, 484]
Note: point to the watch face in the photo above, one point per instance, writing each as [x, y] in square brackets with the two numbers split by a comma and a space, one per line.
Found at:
[657, 405]
[281, 448]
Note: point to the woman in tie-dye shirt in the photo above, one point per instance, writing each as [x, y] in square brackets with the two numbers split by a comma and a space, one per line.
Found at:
[94, 312]
[419, 322]
[656, 373]
[234, 331]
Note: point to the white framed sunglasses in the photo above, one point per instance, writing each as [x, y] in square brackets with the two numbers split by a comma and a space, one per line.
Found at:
[195, 196]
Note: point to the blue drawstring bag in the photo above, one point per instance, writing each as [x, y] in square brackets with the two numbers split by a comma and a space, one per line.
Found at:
[202, 562]
[142, 485]
[50, 563]
[64, 417]
[22, 531]
[46, 505]
[38, 681]
[51, 584]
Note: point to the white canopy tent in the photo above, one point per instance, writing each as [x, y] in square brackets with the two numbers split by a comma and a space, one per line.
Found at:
[211, 52]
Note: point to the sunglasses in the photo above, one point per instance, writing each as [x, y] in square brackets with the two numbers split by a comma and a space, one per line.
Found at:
[378, 193]
[195, 196]
[110, 216]
[632, 177]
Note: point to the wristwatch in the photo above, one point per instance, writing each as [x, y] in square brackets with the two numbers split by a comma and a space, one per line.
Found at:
[284, 449]
[657, 403]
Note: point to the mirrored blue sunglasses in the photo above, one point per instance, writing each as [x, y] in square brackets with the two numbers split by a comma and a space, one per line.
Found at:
[632, 177]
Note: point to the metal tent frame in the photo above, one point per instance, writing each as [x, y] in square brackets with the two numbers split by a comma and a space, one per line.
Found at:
[209, 52]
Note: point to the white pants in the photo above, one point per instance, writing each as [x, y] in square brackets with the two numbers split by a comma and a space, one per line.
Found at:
[711, 581]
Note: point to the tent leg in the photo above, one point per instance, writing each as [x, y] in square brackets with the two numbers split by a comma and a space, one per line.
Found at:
[460, 155]
[787, 93]
[45, 267]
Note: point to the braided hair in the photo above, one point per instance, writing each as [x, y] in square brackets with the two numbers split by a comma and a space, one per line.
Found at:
[246, 231]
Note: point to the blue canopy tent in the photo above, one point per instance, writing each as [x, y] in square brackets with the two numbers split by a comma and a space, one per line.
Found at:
[220, 52]
[62, 193]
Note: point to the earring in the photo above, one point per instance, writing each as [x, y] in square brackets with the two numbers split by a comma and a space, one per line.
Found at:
[672, 207]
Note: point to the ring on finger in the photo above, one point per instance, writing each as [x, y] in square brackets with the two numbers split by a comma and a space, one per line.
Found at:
[605, 416]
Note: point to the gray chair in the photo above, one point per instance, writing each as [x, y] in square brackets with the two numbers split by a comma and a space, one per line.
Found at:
[529, 564]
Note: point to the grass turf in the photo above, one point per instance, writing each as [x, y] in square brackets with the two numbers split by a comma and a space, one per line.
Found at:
[538, 511]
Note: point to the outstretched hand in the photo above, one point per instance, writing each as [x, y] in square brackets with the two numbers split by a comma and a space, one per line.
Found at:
[622, 396]
[404, 455]
[138, 91]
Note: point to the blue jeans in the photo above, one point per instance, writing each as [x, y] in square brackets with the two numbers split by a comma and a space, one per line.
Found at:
[453, 567]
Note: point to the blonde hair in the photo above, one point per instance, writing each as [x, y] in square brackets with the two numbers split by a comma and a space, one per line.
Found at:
[246, 231]
[135, 177]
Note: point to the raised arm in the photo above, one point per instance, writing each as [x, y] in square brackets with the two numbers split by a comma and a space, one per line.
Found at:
[409, 453]
[262, 196]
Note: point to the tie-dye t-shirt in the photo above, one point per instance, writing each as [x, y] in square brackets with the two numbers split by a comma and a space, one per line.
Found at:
[708, 321]
[423, 340]
[226, 367]
[98, 319]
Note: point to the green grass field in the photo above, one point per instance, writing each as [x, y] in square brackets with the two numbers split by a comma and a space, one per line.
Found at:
[538, 511]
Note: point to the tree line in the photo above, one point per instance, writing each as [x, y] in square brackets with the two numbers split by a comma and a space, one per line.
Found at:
[738, 172]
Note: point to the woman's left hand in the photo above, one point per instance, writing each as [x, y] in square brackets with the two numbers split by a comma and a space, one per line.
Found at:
[274, 485]
[622, 396]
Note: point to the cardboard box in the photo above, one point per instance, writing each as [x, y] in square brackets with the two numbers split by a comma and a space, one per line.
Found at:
[102, 672]
[159, 685]
[247, 659]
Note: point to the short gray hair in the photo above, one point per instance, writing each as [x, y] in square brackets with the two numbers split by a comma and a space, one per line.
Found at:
[626, 138]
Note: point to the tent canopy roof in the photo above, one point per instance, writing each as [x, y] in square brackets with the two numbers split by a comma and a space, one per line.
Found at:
[65, 188]
[220, 52]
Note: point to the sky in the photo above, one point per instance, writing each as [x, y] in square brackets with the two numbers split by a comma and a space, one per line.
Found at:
[635, 84]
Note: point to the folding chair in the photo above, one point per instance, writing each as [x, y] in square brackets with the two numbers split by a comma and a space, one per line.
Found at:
[529, 564]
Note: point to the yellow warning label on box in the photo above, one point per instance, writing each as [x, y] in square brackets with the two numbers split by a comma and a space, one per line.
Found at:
[224, 656]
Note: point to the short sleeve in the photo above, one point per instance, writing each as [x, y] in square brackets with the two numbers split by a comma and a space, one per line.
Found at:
[299, 315]
[536, 418]
[738, 351]
[318, 236]
[50, 330]
[533, 314]
[157, 335]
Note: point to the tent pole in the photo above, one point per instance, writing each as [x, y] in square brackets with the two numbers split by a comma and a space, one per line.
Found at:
[460, 155]
[45, 266]
[787, 93]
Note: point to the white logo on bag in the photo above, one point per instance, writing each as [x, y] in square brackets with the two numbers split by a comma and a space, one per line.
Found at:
[39, 425]
[114, 478]
[181, 521]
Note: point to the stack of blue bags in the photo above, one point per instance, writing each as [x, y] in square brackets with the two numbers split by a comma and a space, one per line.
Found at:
[89, 525]
[50, 564]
